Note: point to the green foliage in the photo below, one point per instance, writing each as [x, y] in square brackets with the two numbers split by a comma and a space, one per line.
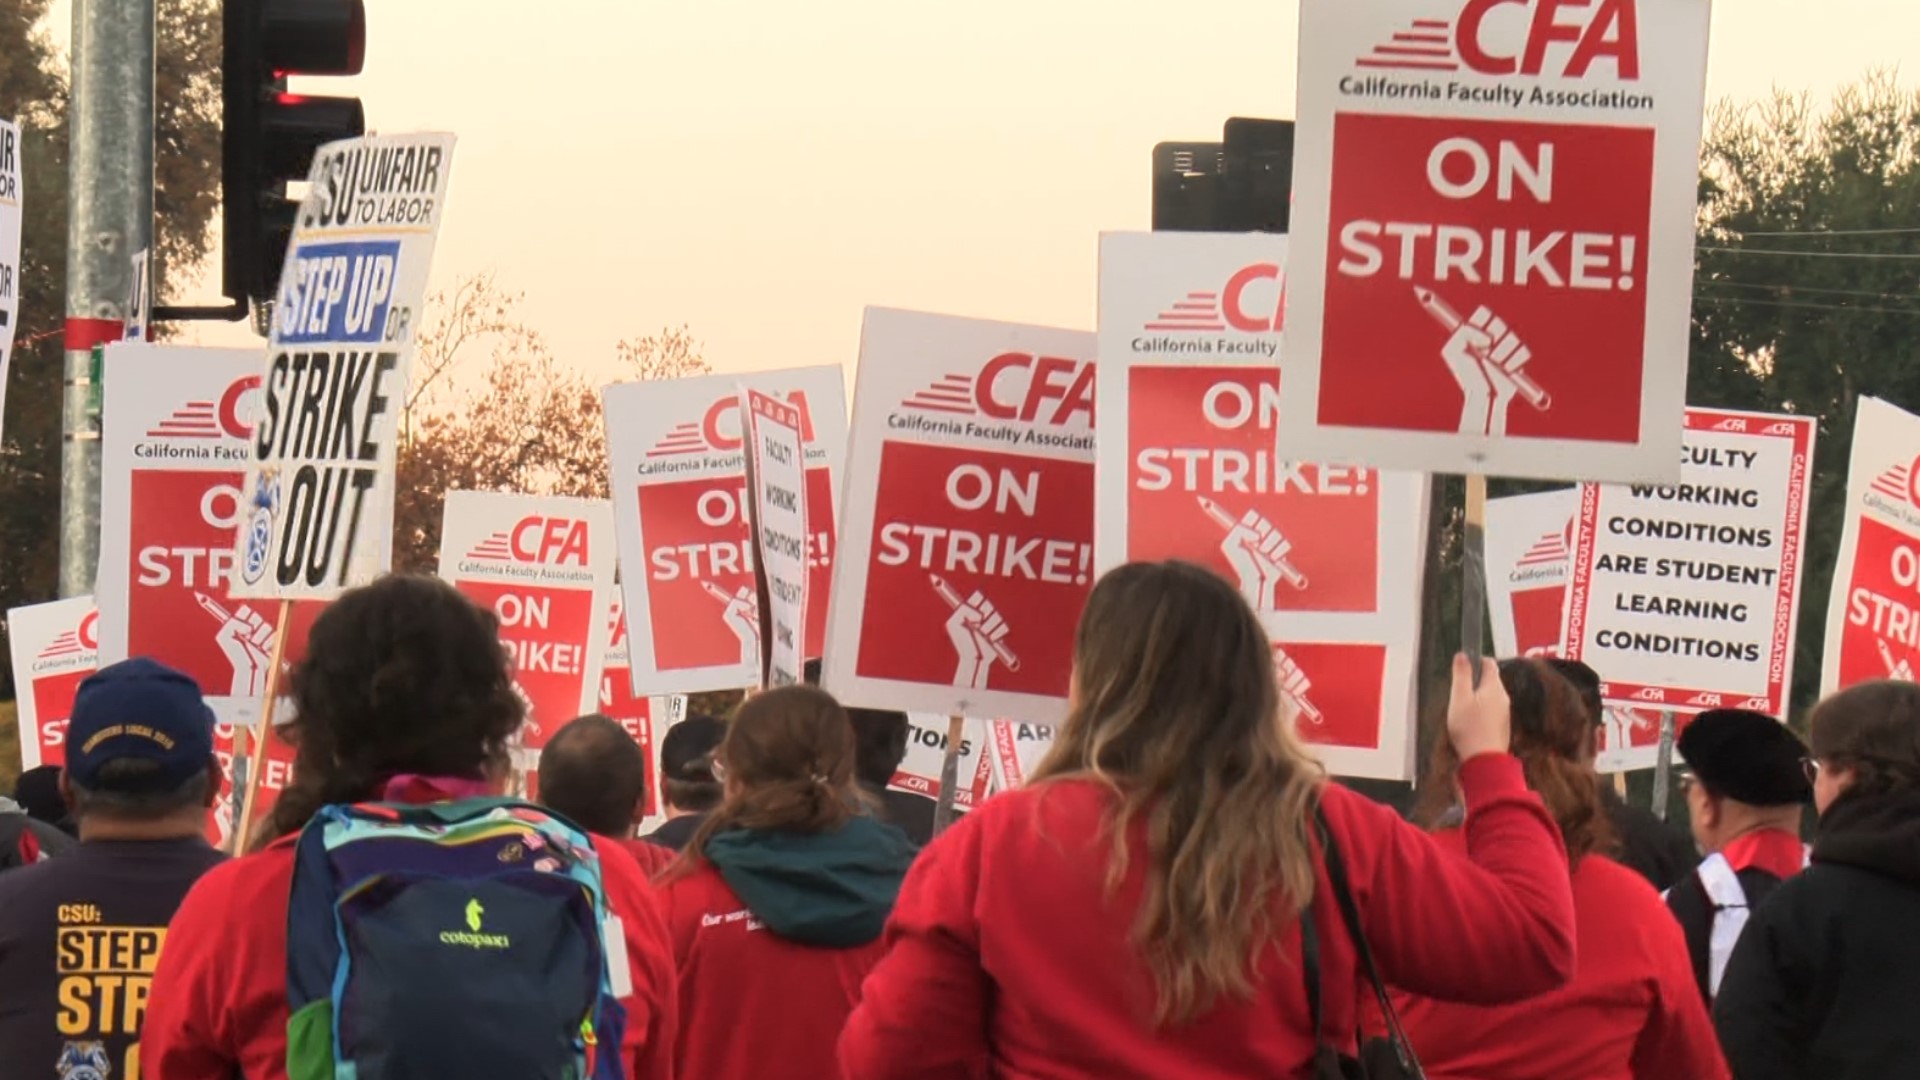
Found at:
[33, 84]
[9, 745]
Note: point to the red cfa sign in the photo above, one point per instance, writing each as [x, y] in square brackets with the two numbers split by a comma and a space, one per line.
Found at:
[1494, 223]
[1873, 617]
[683, 521]
[1191, 397]
[55, 647]
[174, 446]
[544, 566]
[968, 545]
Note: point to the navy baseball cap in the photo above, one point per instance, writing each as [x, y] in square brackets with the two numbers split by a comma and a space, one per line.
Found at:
[139, 709]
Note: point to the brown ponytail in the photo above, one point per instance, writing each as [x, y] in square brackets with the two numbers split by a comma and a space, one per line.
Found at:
[788, 758]
[1551, 727]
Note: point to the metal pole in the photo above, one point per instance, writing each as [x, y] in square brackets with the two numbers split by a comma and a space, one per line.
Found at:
[109, 217]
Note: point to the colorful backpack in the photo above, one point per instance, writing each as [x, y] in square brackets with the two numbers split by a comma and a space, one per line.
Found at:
[458, 939]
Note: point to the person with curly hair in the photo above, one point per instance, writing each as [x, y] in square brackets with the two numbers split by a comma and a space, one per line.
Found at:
[405, 696]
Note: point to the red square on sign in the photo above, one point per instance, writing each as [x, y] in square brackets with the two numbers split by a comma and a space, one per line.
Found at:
[53, 702]
[1542, 225]
[1200, 460]
[1338, 701]
[1537, 615]
[700, 557]
[952, 523]
[545, 634]
[1878, 639]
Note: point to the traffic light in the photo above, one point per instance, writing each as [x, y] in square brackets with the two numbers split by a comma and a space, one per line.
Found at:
[270, 134]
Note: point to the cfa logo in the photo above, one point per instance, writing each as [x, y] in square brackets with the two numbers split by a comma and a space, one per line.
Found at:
[1015, 386]
[719, 428]
[617, 626]
[536, 539]
[1489, 40]
[1900, 482]
[1706, 701]
[231, 416]
[1242, 305]
[1757, 704]
[1781, 428]
[1732, 423]
[1650, 693]
[84, 638]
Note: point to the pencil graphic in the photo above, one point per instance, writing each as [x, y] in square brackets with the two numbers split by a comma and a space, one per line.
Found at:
[954, 603]
[1449, 318]
[212, 607]
[1308, 709]
[1886, 656]
[717, 592]
[1226, 521]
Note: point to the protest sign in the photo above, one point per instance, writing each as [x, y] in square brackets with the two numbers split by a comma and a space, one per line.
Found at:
[777, 481]
[1017, 750]
[10, 204]
[543, 564]
[1873, 614]
[680, 512]
[919, 771]
[967, 530]
[1328, 555]
[1529, 559]
[276, 773]
[1683, 596]
[175, 434]
[54, 648]
[318, 511]
[642, 717]
[1493, 226]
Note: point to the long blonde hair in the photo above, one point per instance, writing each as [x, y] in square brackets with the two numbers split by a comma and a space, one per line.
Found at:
[1176, 711]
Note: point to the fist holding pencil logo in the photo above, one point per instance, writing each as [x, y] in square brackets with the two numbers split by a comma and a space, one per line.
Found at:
[1488, 360]
[245, 638]
[1257, 550]
[978, 634]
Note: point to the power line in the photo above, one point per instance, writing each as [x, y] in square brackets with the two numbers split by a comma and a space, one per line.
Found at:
[1814, 254]
[1868, 293]
[1903, 231]
[1810, 307]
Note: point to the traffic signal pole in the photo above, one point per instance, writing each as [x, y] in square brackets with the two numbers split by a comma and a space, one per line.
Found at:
[109, 218]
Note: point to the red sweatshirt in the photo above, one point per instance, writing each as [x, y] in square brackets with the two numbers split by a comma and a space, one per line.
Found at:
[753, 1005]
[651, 857]
[1632, 1011]
[218, 1006]
[1005, 948]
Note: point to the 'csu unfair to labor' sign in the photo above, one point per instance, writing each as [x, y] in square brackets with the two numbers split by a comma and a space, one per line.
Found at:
[320, 492]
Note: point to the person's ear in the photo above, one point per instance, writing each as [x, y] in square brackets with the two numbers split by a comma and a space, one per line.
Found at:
[215, 777]
[639, 810]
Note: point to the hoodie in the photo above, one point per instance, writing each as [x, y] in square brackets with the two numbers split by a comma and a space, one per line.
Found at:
[772, 936]
[1821, 985]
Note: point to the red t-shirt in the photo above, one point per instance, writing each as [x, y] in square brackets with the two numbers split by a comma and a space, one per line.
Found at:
[1632, 1012]
[218, 1007]
[652, 857]
[754, 1005]
[1006, 946]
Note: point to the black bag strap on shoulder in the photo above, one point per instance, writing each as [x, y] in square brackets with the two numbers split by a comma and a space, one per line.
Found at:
[1401, 1051]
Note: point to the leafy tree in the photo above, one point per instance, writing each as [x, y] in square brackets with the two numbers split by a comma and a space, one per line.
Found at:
[33, 85]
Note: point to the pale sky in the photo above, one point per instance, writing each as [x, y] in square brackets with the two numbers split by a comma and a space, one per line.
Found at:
[761, 171]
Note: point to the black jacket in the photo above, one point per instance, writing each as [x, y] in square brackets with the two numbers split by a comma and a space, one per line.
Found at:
[911, 814]
[1663, 854]
[1825, 982]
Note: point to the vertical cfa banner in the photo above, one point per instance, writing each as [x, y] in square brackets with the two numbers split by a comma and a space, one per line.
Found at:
[55, 647]
[777, 480]
[1493, 230]
[967, 531]
[1873, 617]
[10, 209]
[1529, 545]
[1017, 750]
[1190, 396]
[919, 771]
[175, 437]
[680, 511]
[544, 566]
[319, 494]
[1683, 596]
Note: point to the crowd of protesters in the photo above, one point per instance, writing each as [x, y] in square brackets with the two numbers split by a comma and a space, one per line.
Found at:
[1179, 891]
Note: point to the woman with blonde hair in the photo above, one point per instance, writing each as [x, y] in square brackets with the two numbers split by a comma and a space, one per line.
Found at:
[1632, 1011]
[1137, 910]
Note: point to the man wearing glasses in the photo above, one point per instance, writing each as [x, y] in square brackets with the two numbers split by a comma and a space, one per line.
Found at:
[1746, 785]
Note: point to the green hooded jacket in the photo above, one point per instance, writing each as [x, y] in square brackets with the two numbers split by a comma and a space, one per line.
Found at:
[833, 890]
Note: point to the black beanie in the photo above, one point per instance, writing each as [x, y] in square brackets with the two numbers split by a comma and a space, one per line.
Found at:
[1746, 756]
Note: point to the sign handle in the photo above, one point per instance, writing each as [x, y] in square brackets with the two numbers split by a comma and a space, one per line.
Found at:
[949, 774]
[1663, 766]
[1473, 572]
[243, 828]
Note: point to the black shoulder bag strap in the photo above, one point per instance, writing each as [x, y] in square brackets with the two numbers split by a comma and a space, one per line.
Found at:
[1397, 1052]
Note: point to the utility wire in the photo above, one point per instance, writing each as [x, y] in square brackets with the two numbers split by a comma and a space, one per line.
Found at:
[1868, 293]
[1903, 231]
[1813, 254]
[1809, 307]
